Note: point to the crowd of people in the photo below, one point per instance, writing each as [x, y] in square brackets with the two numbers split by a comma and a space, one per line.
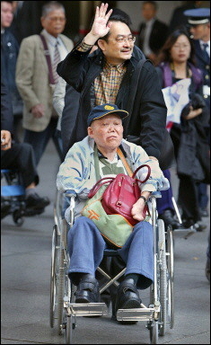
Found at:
[54, 87]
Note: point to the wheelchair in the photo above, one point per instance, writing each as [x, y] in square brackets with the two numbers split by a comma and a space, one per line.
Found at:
[12, 193]
[13, 197]
[157, 315]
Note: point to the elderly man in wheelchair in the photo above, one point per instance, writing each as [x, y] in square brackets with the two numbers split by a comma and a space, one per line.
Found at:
[86, 245]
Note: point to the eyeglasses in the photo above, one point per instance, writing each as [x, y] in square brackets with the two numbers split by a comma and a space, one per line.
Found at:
[121, 39]
[55, 19]
[181, 46]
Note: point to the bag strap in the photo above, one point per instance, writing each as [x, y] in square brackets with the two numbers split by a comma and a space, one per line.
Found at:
[148, 173]
[99, 184]
[96, 163]
[124, 161]
[48, 59]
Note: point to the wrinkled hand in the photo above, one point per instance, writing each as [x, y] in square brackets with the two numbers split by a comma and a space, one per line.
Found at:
[38, 110]
[100, 27]
[6, 140]
[137, 210]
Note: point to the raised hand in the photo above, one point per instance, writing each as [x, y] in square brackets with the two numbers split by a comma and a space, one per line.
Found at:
[100, 27]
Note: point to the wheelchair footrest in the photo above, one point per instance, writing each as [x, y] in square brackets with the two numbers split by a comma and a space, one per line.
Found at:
[135, 314]
[88, 309]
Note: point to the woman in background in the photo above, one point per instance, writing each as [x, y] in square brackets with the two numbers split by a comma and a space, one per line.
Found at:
[176, 62]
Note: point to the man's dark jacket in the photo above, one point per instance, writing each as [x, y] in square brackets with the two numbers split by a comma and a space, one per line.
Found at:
[6, 108]
[157, 38]
[143, 98]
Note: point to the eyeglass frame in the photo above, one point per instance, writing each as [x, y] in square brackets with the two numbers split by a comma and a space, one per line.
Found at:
[55, 19]
[181, 46]
[130, 38]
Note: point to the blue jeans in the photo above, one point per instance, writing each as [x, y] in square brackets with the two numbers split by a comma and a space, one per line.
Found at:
[86, 248]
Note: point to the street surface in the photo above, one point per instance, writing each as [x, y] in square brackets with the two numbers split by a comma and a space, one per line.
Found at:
[25, 282]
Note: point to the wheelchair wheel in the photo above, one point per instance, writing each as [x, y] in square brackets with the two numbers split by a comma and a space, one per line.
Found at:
[18, 217]
[70, 326]
[54, 275]
[170, 284]
[162, 277]
[61, 286]
[153, 331]
[64, 285]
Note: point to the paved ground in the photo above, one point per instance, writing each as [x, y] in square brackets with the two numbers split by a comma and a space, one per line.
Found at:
[25, 278]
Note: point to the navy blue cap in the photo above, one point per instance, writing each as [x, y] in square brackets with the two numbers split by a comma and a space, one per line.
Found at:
[105, 109]
[198, 16]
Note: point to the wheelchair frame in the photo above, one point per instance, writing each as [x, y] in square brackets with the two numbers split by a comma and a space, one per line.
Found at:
[157, 315]
[14, 193]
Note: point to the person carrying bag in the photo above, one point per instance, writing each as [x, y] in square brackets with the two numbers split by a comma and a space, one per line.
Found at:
[88, 161]
[111, 200]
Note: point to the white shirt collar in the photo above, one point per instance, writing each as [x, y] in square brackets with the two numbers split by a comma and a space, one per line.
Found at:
[202, 42]
[51, 39]
[150, 22]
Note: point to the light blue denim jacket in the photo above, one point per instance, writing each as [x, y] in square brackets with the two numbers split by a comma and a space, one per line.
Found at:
[76, 174]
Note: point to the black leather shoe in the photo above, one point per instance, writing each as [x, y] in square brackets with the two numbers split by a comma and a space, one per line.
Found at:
[34, 201]
[127, 296]
[168, 219]
[87, 291]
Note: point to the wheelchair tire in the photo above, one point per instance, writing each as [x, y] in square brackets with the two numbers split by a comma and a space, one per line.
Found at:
[18, 217]
[69, 330]
[170, 284]
[54, 275]
[61, 285]
[162, 281]
[153, 331]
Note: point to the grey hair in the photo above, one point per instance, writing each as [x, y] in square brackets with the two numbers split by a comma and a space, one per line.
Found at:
[51, 6]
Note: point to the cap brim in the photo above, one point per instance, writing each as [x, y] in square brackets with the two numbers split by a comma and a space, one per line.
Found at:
[122, 113]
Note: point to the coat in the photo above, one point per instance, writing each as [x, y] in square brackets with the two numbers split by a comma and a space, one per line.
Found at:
[77, 173]
[6, 108]
[204, 64]
[157, 36]
[9, 55]
[32, 78]
[192, 151]
[142, 98]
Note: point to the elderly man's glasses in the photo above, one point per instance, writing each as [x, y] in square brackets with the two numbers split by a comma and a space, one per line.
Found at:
[121, 39]
[57, 19]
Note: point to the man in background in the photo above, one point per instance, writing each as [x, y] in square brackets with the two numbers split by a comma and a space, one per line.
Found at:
[199, 24]
[20, 157]
[153, 32]
[9, 55]
[36, 78]
[26, 21]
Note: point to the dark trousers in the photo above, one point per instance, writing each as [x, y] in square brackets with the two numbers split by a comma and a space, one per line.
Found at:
[21, 158]
[202, 195]
[39, 140]
[165, 203]
[188, 198]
